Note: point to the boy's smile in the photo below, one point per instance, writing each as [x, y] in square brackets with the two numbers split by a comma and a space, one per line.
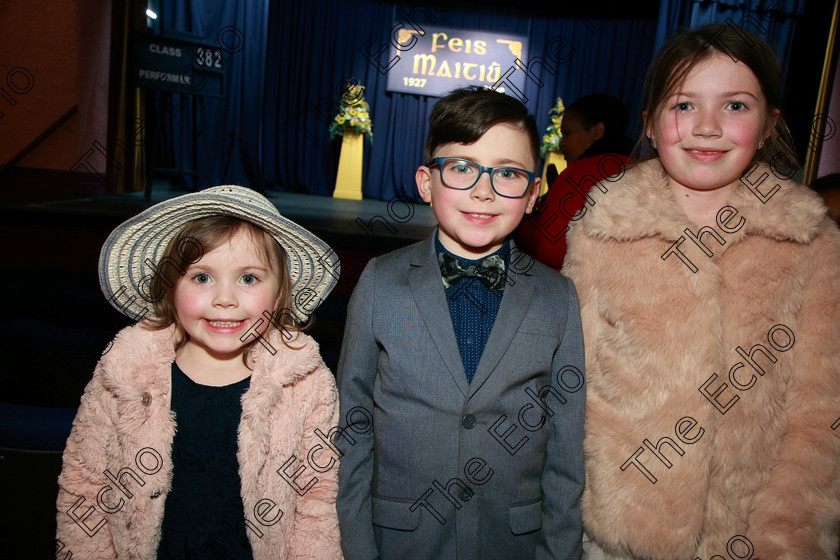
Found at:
[475, 222]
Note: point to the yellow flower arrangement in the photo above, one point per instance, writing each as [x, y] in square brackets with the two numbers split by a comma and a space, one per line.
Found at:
[551, 138]
[353, 113]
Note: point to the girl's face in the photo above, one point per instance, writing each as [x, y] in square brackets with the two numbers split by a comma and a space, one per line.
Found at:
[222, 296]
[707, 132]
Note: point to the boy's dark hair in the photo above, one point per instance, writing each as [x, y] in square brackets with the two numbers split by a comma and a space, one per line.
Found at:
[689, 47]
[601, 108]
[465, 114]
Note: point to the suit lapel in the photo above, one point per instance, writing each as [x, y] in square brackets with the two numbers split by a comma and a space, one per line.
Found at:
[427, 289]
[515, 303]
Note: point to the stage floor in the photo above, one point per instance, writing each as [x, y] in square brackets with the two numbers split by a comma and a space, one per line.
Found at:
[397, 222]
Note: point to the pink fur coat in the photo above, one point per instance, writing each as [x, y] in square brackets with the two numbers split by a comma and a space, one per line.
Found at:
[117, 466]
[699, 442]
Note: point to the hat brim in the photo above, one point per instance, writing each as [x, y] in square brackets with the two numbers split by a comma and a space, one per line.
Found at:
[131, 255]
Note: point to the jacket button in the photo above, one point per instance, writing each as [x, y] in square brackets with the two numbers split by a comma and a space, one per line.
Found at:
[466, 494]
[155, 495]
[146, 399]
[468, 421]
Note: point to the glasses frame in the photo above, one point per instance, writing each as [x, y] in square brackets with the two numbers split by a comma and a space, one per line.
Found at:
[440, 161]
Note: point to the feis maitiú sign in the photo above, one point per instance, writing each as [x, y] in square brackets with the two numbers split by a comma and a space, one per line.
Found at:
[442, 59]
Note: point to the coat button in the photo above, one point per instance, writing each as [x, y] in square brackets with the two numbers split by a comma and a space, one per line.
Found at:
[155, 495]
[146, 399]
[468, 421]
[466, 494]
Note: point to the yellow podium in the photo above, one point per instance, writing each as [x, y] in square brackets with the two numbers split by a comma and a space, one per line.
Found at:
[556, 158]
[348, 182]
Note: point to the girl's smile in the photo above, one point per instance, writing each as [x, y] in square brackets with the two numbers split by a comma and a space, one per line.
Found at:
[704, 154]
[223, 325]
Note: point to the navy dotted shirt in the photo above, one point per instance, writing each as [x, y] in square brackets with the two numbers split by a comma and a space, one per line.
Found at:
[473, 308]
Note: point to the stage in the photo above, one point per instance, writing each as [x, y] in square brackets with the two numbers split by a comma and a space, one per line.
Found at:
[395, 222]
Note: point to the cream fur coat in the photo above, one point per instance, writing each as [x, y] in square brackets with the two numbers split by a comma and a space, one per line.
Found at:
[124, 422]
[758, 467]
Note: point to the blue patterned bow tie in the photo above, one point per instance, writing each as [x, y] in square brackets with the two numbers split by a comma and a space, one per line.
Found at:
[491, 271]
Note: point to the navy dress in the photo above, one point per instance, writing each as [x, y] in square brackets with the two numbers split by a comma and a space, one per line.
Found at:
[204, 516]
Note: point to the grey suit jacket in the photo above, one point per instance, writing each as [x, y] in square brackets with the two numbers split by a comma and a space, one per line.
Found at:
[436, 468]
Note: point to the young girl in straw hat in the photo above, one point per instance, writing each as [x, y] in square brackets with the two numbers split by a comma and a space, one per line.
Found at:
[205, 431]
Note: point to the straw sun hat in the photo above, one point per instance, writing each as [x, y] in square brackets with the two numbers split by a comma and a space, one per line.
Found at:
[138, 243]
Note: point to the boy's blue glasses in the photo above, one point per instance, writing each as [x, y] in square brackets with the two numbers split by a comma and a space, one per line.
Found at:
[463, 174]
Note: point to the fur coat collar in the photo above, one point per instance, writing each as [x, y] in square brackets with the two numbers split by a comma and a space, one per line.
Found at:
[125, 409]
[642, 206]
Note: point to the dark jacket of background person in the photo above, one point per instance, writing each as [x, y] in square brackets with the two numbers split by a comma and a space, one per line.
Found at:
[828, 186]
[542, 234]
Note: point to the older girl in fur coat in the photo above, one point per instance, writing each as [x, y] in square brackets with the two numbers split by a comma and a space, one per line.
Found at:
[205, 431]
[710, 295]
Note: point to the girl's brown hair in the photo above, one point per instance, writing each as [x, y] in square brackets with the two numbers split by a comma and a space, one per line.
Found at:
[686, 49]
[197, 238]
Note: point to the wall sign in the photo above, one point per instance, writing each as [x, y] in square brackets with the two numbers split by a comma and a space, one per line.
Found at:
[443, 58]
[177, 66]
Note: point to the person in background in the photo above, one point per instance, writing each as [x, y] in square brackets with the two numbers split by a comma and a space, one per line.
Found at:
[829, 188]
[596, 148]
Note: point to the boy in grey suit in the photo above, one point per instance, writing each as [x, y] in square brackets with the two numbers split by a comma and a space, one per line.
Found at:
[461, 371]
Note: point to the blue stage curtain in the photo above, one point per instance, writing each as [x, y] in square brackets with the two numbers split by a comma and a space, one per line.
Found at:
[772, 20]
[310, 50]
[219, 138]
[282, 88]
